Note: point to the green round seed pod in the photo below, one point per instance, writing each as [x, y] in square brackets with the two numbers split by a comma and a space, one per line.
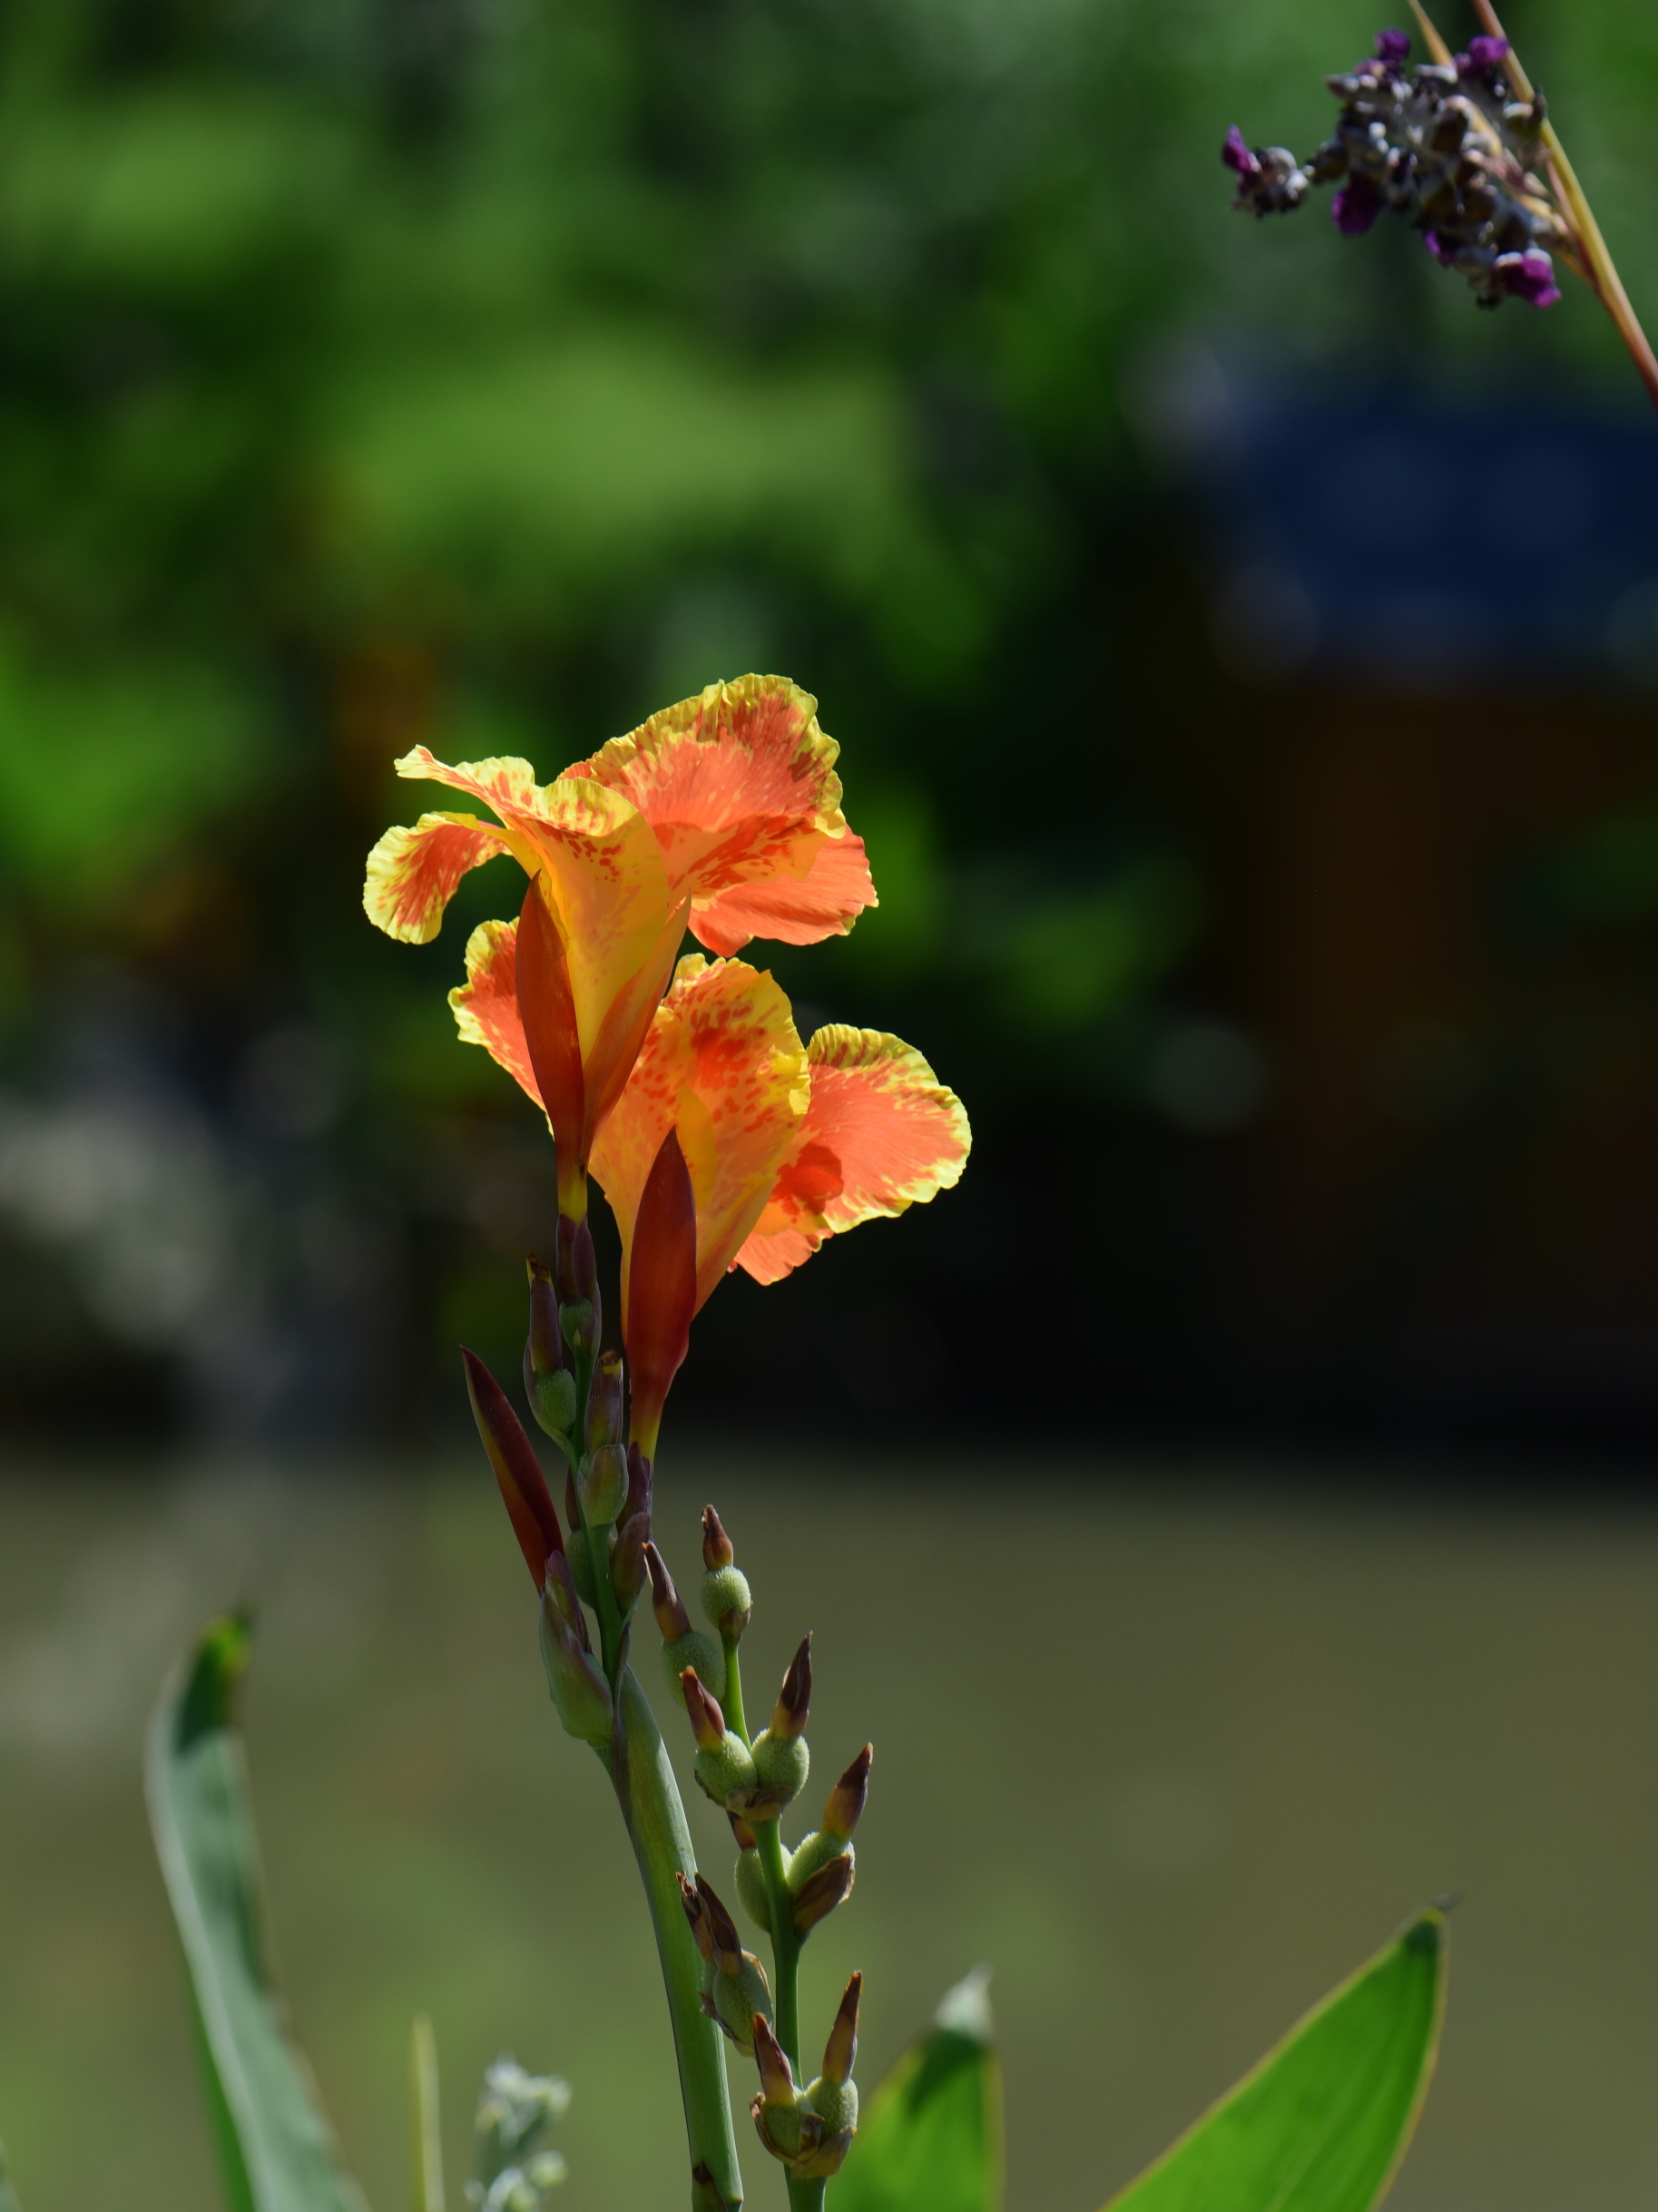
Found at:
[727, 1767]
[725, 1592]
[751, 1889]
[581, 1569]
[698, 1649]
[781, 1762]
[812, 1852]
[738, 1998]
[783, 2125]
[836, 2104]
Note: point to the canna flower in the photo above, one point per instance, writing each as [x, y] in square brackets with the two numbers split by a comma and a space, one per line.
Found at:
[733, 1145]
[721, 813]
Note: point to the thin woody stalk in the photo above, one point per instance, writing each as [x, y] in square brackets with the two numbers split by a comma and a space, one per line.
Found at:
[1590, 258]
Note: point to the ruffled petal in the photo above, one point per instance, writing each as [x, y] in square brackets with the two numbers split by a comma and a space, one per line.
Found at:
[739, 786]
[825, 902]
[881, 1133]
[487, 1004]
[723, 1066]
[412, 873]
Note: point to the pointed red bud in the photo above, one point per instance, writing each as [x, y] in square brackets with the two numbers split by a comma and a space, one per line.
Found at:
[627, 1567]
[604, 1420]
[548, 1009]
[639, 1485]
[696, 1913]
[789, 1714]
[707, 1721]
[723, 1928]
[717, 1549]
[840, 2053]
[544, 1348]
[846, 1803]
[666, 1603]
[819, 1894]
[523, 1487]
[661, 1287]
[776, 2074]
[575, 1273]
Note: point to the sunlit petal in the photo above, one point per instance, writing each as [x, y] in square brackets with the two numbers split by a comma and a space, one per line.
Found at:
[739, 786]
[793, 910]
[412, 873]
[881, 1133]
[487, 1004]
[723, 1066]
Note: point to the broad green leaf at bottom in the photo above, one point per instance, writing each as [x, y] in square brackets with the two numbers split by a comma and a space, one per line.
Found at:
[1321, 2124]
[931, 2137]
[275, 2146]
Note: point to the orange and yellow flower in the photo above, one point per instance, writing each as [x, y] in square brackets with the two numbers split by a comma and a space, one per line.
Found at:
[721, 813]
[781, 1145]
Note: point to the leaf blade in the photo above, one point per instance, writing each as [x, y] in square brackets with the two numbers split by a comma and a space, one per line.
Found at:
[1322, 2122]
[276, 2149]
[931, 2139]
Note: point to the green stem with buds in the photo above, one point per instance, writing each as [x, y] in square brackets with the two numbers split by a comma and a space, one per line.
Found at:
[655, 1819]
[735, 1718]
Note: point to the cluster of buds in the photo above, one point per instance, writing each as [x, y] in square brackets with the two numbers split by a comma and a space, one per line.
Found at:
[578, 1395]
[735, 1992]
[753, 1781]
[516, 2110]
[809, 2130]
[820, 1870]
[1447, 145]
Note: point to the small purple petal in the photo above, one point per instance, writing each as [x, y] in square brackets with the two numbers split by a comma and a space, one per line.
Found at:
[1392, 47]
[1236, 154]
[1528, 276]
[1430, 238]
[1356, 207]
[1487, 52]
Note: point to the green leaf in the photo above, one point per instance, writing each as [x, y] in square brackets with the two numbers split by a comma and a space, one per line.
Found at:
[1321, 2123]
[931, 2139]
[275, 2146]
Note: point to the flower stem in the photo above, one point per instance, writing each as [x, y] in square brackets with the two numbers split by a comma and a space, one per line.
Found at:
[785, 1942]
[735, 1718]
[655, 1820]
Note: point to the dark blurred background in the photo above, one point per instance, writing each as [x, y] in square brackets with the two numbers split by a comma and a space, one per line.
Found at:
[1245, 656]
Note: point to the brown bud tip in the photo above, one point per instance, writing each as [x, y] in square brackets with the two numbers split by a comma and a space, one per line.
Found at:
[717, 1549]
[794, 1699]
[846, 1803]
[544, 1350]
[840, 2053]
[728, 1943]
[746, 1838]
[817, 1896]
[690, 1897]
[776, 2075]
[707, 1721]
[671, 1618]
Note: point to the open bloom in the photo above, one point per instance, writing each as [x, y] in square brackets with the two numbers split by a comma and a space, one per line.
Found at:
[781, 1147]
[721, 813]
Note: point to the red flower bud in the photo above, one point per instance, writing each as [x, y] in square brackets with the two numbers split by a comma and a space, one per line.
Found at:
[661, 1287]
[523, 1487]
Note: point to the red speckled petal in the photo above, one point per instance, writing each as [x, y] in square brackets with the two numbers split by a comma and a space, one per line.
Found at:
[487, 1004]
[881, 1133]
[793, 910]
[412, 873]
[722, 1066]
[739, 786]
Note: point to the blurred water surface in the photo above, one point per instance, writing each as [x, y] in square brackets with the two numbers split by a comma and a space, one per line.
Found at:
[1170, 1754]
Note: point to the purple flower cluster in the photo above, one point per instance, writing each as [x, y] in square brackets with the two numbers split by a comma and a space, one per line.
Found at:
[1447, 146]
